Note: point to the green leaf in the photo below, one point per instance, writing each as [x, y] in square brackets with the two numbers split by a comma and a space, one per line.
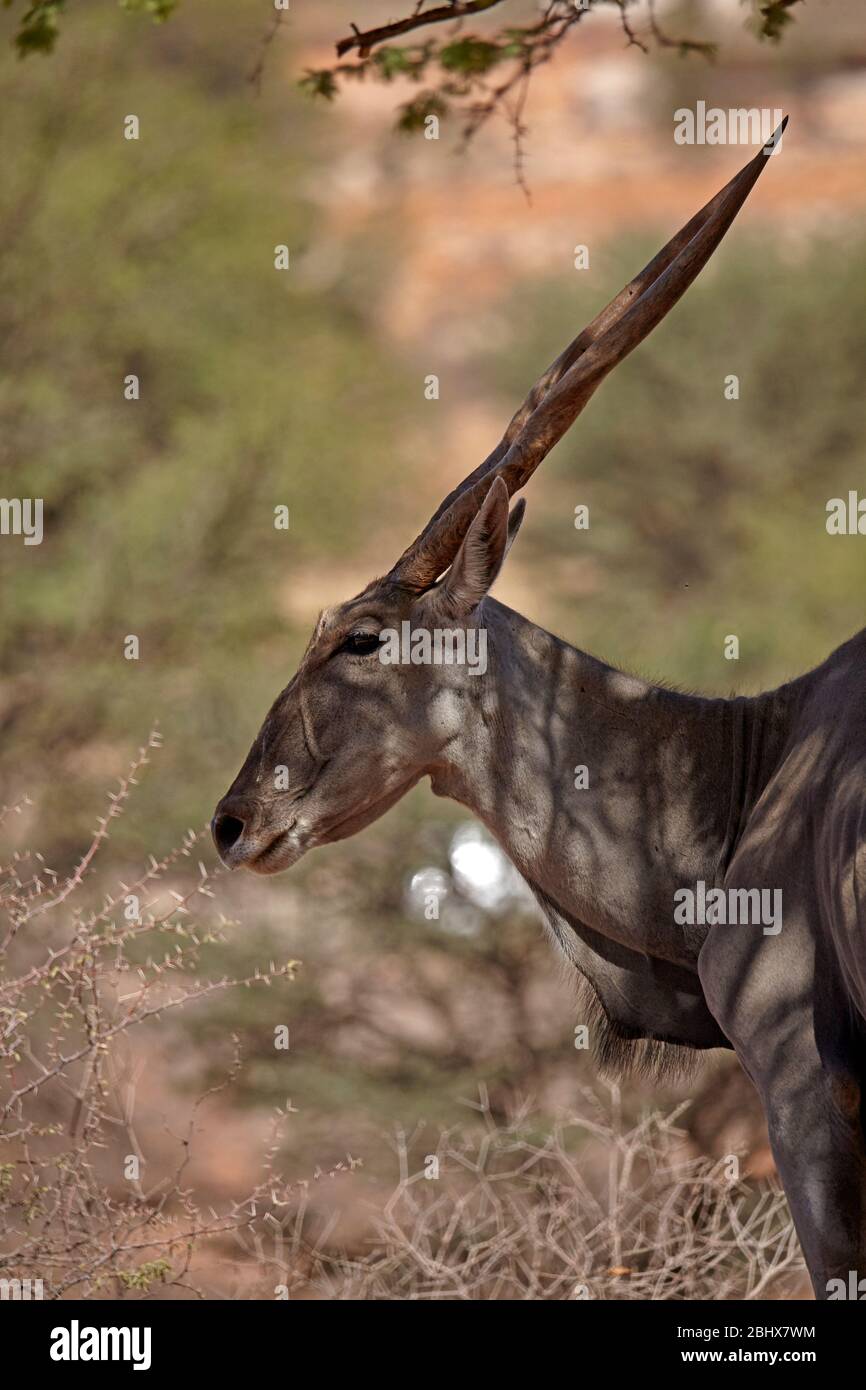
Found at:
[159, 10]
[774, 18]
[319, 82]
[392, 62]
[413, 114]
[470, 56]
[39, 27]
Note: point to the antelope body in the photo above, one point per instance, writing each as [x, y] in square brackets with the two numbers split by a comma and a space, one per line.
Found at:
[763, 793]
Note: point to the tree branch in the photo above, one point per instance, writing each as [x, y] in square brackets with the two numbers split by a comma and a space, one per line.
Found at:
[455, 9]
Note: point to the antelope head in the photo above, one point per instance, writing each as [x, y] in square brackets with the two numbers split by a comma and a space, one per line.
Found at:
[359, 724]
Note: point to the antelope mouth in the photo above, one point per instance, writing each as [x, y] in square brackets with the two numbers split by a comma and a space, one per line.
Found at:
[289, 845]
[282, 852]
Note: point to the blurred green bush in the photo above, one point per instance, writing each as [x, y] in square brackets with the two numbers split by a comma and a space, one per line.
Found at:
[156, 257]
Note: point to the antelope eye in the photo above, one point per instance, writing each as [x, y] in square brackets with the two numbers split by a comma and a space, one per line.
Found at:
[362, 643]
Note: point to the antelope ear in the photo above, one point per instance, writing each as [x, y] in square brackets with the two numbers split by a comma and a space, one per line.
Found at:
[515, 518]
[480, 557]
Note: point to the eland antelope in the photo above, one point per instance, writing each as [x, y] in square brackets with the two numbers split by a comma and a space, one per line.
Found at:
[745, 799]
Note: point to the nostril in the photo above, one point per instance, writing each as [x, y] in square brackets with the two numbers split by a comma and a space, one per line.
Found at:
[227, 831]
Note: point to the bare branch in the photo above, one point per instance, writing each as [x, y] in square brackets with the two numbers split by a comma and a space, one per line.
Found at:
[457, 9]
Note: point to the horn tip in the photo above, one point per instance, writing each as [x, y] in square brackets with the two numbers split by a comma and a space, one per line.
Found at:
[776, 135]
